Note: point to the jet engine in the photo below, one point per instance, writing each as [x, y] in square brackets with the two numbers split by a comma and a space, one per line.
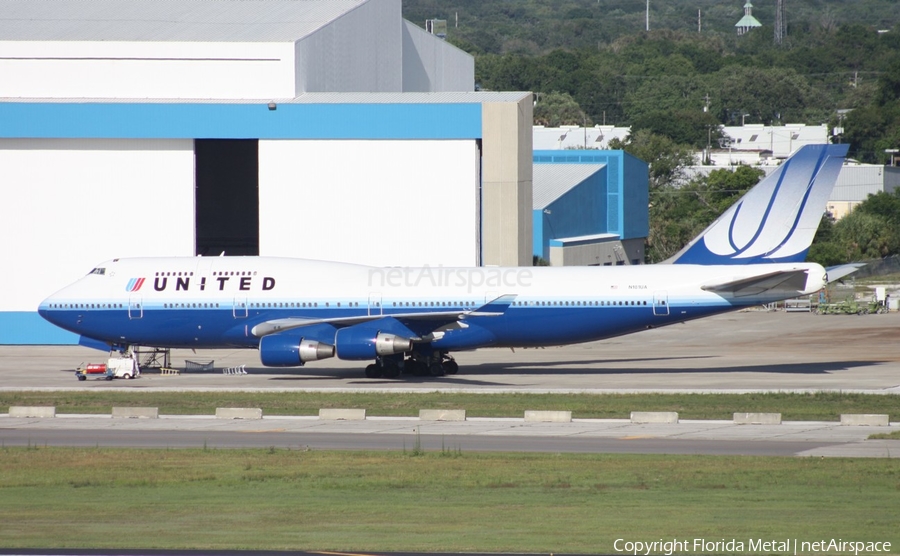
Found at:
[292, 350]
[364, 343]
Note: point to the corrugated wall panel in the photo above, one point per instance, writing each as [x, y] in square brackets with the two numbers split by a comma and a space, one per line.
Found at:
[387, 203]
[431, 65]
[164, 70]
[360, 51]
[76, 203]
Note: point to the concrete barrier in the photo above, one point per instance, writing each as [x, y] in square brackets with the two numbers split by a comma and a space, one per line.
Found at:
[757, 418]
[335, 414]
[865, 419]
[442, 414]
[135, 412]
[32, 411]
[238, 413]
[548, 416]
[651, 417]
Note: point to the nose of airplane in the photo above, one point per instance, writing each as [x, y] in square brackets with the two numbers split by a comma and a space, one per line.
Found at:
[46, 309]
[53, 308]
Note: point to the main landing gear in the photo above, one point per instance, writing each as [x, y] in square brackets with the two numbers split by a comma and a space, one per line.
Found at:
[415, 364]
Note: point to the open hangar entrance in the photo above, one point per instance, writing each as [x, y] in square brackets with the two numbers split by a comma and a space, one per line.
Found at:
[226, 197]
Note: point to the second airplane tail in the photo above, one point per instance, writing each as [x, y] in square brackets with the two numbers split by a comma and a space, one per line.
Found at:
[776, 220]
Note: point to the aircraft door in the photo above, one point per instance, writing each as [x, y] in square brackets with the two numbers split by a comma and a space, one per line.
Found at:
[239, 309]
[375, 307]
[660, 303]
[135, 307]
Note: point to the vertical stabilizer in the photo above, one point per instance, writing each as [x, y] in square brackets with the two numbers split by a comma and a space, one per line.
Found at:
[774, 222]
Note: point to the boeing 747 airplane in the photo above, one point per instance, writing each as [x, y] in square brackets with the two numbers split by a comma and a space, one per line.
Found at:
[409, 320]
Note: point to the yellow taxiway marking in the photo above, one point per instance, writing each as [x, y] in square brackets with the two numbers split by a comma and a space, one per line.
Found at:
[637, 437]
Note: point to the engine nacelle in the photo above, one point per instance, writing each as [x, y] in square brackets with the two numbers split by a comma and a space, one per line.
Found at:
[363, 343]
[286, 350]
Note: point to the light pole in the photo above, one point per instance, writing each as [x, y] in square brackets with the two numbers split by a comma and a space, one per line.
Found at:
[742, 119]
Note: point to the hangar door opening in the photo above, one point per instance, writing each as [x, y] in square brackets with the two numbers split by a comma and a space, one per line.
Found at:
[226, 198]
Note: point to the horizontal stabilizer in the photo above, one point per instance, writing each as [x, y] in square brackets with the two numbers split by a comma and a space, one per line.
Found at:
[838, 272]
[789, 280]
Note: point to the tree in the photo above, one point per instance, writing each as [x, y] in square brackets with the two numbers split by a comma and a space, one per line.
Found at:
[667, 159]
[870, 231]
[556, 109]
[679, 214]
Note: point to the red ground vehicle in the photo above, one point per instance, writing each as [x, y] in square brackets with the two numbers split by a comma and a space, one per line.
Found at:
[116, 367]
[95, 369]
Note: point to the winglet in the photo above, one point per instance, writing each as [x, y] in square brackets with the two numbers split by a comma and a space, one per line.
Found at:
[774, 222]
[493, 308]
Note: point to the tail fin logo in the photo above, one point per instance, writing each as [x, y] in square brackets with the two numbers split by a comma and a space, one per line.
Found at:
[134, 284]
[777, 219]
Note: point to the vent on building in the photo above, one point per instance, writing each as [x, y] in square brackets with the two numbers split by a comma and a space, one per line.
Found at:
[437, 27]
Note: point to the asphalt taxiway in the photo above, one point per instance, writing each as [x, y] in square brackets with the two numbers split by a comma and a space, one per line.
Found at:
[475, 434]
[752, 351]
[737, 352]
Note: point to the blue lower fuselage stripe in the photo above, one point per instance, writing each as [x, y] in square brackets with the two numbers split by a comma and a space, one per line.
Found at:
[518, 326]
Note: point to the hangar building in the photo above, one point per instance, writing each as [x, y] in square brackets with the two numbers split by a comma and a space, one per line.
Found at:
[328, 129]
[589, 207]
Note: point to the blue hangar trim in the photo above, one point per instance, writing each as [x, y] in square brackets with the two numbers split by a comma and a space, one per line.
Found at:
[239, 121]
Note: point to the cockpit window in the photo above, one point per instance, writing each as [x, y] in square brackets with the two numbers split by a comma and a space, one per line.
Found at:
[100, 271]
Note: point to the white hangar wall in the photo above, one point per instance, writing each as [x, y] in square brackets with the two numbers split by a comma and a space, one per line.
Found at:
[151, 70]
[383, 202]
[83, 201]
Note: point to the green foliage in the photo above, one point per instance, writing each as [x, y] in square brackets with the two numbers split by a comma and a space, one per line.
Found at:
[555, 109]
[662, 80]
[679, 214]
[875, 127]
[870, 231]
[667, 158]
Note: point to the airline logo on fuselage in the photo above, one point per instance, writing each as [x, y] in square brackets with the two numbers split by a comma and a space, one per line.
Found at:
[217, 283]
[134, 284]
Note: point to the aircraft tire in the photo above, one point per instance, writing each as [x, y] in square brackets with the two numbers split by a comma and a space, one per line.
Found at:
[451, 367]
[390, 370]
[373, 371]
[436, 369]
[415, 368]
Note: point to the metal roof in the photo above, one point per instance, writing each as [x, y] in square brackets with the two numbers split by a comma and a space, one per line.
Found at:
[552, 181]
[460, 97]
[167, 20]
[309, 98]
[575, 137]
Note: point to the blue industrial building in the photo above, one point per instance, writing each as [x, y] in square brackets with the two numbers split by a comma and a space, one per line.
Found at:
[589, 207]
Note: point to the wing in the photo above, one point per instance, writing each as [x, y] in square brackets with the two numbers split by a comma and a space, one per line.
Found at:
[785, 280]
[437, 320]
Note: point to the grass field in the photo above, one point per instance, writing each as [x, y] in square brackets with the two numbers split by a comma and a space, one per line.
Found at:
[440, 501]
[793, 407]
